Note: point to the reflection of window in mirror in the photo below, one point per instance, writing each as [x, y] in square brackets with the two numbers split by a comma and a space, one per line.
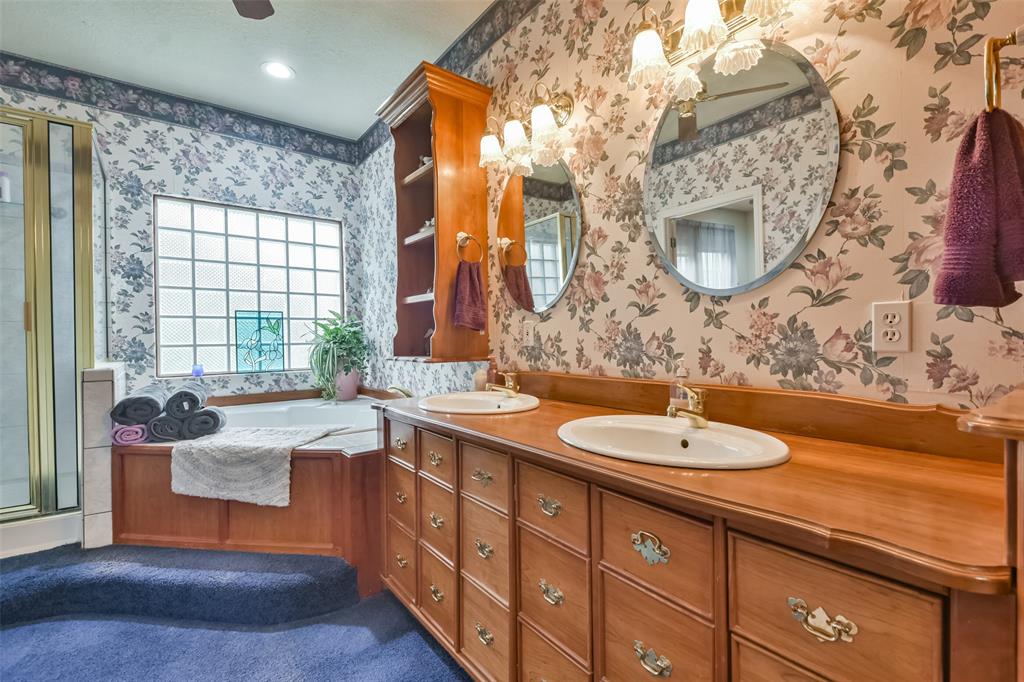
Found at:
[718, 242]
[549, 244]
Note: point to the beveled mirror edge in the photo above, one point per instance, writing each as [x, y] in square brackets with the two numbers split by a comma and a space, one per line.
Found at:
[573, 262]
[829, 106]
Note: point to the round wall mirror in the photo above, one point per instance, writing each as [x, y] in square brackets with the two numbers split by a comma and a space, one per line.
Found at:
[539, 226]
[739, 174]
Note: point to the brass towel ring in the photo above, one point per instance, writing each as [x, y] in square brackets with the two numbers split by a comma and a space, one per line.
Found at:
[993, 77]
[461, 240]
[506, 245]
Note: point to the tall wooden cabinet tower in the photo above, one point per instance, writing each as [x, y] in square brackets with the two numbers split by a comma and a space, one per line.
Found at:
[437, 119]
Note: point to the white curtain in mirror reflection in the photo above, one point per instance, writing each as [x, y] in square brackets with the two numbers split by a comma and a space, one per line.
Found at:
[706, 253]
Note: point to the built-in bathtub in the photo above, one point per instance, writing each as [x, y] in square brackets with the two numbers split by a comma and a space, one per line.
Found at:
[349, 416]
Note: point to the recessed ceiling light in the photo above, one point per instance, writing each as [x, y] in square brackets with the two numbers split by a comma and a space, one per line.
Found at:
[278, 70]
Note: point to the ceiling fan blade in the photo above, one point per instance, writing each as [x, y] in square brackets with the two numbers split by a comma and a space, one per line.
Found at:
[254, 9]
[744, 91]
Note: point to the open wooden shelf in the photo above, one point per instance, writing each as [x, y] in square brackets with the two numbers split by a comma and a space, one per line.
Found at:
[417, 237]
[423, 173]
[419, 298]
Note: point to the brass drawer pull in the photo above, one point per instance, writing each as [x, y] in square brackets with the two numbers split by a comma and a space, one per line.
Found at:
[436, 594]
[483, 549]
[484, 635]
[483, 477]
[436, 521]
[650, 547]
[551, 594]
[401, 561]
[400, 496]
[659, 666]
[549, 506]
[818, 623]
[400, 443]
[435, 459]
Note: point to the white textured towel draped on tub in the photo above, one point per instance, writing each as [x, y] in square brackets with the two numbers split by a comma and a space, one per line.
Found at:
[244, 464]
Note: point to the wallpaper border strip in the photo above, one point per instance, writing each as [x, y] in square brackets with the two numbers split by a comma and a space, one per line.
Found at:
[24, 73]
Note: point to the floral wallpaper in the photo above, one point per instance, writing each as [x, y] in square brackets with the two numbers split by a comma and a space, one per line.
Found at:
[906, 78]
[794, 162]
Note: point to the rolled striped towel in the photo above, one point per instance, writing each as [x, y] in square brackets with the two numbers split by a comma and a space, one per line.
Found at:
[129, 435]
[140, 406]
[205, 422]
[165, 428]
[187, 400]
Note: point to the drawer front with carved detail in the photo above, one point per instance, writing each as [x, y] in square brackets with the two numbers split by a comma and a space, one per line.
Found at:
[400, 562]
[554, 592]
[840, 623]
[438, 598]
[485, 547]
[555, 504]
[665, 551]
[438, 522]
[438, 457]
[402, 442]
[485, 475]
[486, 632]
[542, 661]
[643, 636]
[401, 495]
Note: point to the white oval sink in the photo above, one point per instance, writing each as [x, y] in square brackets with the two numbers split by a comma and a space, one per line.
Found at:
[674, 442]
[478, 402]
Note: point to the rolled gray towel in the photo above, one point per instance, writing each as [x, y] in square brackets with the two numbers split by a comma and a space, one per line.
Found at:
[206, 421]
[140, 406]
[187, 400]
[165, 428]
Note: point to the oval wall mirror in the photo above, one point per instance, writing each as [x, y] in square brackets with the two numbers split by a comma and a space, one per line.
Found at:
[539, 226]
[739, 175]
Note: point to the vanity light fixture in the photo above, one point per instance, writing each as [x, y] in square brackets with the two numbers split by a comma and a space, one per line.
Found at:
[516, 142]
[689, 85]
[703, 26]
[763, 10]
[491, 155]
[278, 70]
[738, 56]
[649, 63]
[548, 116]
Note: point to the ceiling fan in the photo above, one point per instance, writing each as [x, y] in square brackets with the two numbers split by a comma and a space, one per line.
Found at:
[254, 9]
[688, 108]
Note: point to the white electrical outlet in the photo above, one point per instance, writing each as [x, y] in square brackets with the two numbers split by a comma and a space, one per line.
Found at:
[528, 328]
[890, 324]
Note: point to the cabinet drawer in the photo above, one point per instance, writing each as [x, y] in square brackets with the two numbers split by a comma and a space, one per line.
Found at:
[554, 592]
[665, 551]
[898, 629]
[751, 663]
[437, 517]
[636, 621]
[438, 458]
[486, 631]
[402, 495]
[402, 443]
[554, 503]
[485, 550]
[438, 597]
[541, 661]
[485, 475]
[400, 562]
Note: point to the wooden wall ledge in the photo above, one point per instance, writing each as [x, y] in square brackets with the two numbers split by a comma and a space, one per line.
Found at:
[1003, 419]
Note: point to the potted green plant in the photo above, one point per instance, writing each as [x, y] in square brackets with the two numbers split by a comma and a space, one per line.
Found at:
[338, 357]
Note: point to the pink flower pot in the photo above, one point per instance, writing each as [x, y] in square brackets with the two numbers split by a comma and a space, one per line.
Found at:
[346, 385]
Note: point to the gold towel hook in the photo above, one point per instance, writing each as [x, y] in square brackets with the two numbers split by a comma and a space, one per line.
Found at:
[461, 240]
[993, 75]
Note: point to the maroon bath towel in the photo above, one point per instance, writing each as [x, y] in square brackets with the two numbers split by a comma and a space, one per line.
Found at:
[470, 306]
[519, 286]
[984, 232]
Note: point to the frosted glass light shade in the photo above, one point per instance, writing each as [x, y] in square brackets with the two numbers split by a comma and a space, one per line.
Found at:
[649, 64]
[521, 165]
[763, 9]
[703, 25]
[739, 56]
[689, 85]
[516, 142]
[542, 123]
[547, 154]
[490, 152]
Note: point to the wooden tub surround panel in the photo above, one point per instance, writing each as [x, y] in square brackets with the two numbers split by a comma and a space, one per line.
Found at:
[854, 561]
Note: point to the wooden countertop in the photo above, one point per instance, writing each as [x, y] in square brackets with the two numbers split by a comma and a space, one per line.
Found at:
[932, 520]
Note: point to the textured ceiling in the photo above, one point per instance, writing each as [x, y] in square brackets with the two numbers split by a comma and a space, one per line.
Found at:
[348, 55]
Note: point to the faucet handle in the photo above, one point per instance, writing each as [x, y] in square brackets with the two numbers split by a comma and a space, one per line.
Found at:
[512, 380]
[696, 398]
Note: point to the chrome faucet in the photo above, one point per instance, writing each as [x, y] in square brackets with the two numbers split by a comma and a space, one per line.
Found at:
[694, 410]
[509, 388]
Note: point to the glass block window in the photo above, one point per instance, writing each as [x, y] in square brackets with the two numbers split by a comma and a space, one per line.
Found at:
[221, 268]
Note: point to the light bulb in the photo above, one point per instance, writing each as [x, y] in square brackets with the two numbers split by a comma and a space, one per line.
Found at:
[542, 123]
[490, 151]
[738, 56]
[516, 142]
[689, 85]
[703, 26]
[649, 64]
[763, 9]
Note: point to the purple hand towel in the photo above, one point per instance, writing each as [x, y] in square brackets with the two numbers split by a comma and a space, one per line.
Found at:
[470, 307]
[984, 232]
[519, 286]
[129, 435]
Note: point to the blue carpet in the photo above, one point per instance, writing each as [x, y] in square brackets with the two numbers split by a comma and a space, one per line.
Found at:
[191, 584]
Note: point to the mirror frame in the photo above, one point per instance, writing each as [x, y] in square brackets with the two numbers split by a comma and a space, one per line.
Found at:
[573, 262]
[817, 83]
